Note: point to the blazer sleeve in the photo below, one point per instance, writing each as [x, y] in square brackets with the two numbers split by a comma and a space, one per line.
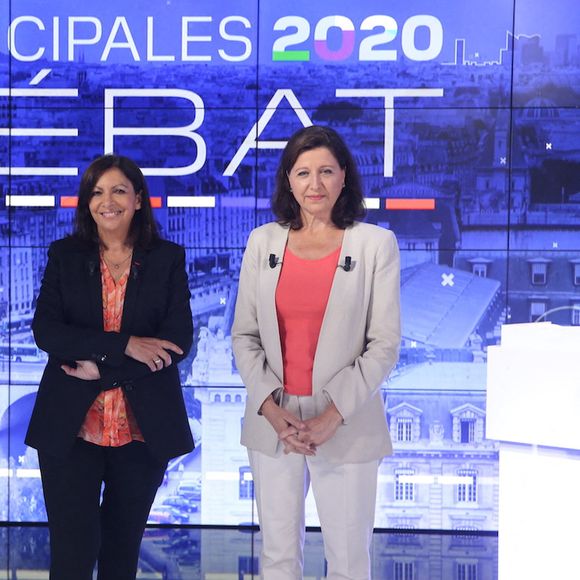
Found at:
[352, 386]
[62, 339]
[177, 325]
[257, 375]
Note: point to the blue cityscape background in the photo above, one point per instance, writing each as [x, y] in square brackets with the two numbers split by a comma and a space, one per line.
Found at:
[465, 115]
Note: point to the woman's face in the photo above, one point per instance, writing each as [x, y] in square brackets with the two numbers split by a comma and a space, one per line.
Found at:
[114, 203]
[316, 180]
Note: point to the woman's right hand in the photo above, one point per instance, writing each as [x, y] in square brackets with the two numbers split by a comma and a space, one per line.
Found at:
[151, 351]
[287, 426]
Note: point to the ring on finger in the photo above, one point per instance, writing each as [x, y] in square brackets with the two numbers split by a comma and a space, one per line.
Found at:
[157, 361]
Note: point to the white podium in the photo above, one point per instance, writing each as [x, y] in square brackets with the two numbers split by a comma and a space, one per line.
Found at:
[533, 410]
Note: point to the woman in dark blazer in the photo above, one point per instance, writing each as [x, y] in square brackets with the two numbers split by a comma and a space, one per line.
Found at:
[113, 314]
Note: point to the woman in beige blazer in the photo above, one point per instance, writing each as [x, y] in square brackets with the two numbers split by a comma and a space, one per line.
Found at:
[335, 436]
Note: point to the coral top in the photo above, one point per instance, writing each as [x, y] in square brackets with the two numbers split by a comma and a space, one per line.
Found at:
[109, 422]
[301, 297]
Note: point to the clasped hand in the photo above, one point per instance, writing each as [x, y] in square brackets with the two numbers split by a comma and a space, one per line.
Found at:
[301, 436]
[154, 352]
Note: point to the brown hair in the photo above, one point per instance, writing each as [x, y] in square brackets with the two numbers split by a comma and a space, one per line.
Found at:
[348, 207]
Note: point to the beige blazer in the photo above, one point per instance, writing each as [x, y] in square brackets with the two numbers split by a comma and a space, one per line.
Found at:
[357, 348]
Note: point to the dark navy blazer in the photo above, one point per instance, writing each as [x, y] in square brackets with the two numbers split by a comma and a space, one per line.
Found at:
[68, 325]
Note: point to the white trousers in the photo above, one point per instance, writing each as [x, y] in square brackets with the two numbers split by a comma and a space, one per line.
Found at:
[345, 496]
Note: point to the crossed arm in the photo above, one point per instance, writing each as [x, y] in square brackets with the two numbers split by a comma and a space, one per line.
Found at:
[125, 354]
[154, 352]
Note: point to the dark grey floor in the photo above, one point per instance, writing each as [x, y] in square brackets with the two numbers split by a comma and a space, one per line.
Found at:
[224, 554]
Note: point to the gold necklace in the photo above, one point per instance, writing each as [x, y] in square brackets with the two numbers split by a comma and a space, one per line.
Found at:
[117, 265]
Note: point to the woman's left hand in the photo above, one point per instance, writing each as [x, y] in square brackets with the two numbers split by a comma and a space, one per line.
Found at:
[319, 429]
[87, 370]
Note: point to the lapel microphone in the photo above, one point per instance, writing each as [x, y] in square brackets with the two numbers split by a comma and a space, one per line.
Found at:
[347, 264]
[273, 261]
[135, 269]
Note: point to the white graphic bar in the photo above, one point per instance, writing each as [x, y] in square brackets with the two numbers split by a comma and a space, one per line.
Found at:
[30, 201]
[372, 202]
[28, 473]
[39, 93]
[49, 132]
[191, 201]
[39, 171]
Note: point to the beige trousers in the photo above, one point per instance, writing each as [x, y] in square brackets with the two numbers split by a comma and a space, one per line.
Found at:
[345, 496]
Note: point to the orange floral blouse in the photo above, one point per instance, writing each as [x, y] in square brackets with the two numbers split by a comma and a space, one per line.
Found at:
[110, 422]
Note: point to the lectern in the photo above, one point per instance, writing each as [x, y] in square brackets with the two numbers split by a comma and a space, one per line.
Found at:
[533, 410]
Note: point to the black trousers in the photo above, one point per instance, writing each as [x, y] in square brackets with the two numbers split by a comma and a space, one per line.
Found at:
[85, 529]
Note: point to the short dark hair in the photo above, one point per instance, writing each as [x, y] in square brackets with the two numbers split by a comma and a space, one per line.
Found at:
[348, 207]
[143, 230]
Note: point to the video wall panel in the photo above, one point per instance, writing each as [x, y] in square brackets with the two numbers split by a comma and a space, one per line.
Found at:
[25, 501]
[545, 285]
[546, 54]
[4, 219]
[545, 175]
[463, 118]
[5, 416]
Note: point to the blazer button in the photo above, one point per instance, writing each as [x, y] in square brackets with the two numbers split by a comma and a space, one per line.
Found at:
[115, 384]
[103, 358]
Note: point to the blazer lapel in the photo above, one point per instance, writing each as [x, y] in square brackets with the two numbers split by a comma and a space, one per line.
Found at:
[133, 286]
[268, 294]
[335, 301]
[95, 298]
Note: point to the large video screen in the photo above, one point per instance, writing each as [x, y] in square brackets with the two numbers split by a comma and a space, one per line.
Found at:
[464, 118]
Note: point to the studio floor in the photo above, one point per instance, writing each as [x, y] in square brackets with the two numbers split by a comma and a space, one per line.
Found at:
[211, 553]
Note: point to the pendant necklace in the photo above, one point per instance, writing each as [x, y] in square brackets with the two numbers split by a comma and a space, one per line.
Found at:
[117, 265]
